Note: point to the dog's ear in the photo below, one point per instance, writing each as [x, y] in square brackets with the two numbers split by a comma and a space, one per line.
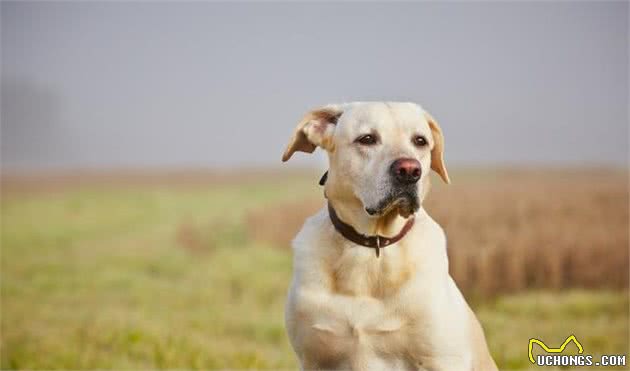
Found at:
[315, 130]
[437, 153]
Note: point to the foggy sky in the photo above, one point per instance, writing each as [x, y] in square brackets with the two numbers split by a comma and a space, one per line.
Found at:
[122, 84]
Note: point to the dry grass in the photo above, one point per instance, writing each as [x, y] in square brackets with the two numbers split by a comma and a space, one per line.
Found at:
[508, 231]
[277, 225]
[58, 182]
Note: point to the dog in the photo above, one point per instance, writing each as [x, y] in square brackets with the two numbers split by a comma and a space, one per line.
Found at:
[371, 288]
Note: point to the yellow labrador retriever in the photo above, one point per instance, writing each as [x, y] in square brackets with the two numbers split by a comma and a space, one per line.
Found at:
[371, 288]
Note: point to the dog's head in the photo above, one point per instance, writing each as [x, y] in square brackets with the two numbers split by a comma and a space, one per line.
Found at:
[380, 153]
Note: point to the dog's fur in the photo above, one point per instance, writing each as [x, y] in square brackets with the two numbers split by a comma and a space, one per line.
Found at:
[348, 309]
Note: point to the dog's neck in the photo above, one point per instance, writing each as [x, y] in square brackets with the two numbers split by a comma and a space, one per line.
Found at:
[353, 213]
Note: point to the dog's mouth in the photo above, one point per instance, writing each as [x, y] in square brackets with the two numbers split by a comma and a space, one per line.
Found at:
[403, 202]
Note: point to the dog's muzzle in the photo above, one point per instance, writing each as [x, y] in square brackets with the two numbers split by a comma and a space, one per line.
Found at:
[404, 201]
[403, 196]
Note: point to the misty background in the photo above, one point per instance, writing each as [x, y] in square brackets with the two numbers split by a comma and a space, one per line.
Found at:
[219, 85]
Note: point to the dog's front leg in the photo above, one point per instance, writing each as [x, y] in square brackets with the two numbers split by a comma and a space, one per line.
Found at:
[326, 329]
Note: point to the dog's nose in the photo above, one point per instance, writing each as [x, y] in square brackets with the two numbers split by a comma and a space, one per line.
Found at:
[405, 170]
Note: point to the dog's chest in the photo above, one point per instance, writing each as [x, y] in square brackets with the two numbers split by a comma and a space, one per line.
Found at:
[358, 272]
[401, 332]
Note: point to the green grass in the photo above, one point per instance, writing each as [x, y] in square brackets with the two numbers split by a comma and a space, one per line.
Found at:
[599, 320]
[102, 278]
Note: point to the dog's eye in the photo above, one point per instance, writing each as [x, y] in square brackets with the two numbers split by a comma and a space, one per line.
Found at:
[420, 141]
[366, 140]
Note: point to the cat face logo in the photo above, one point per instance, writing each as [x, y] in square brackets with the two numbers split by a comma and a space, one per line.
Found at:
[553, 350]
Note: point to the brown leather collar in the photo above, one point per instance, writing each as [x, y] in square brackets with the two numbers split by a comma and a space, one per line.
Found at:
[375, 242]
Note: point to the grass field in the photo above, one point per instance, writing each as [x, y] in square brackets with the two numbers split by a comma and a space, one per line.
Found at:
[191, 271]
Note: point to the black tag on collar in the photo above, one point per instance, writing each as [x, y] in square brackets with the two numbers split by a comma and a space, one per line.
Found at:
[323, 179]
